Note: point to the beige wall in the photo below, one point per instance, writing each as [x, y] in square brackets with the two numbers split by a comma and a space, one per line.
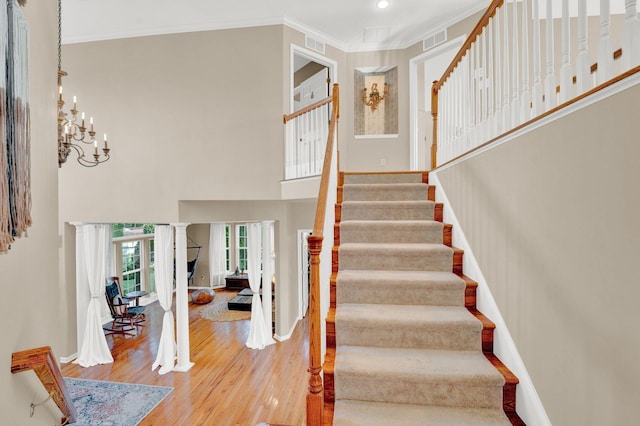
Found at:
[552, 220]
[189, 116]
[32, 303]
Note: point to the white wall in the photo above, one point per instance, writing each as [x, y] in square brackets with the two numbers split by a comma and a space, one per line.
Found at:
[33, 304]
[552, 220]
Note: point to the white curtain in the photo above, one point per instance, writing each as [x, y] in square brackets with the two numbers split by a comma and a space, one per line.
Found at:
[164, 286]
[268, 268]
[259, 331]
[91, 244]
[217, 255]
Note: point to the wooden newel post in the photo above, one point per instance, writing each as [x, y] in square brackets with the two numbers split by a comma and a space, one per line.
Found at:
[315, 399]
[434, 113]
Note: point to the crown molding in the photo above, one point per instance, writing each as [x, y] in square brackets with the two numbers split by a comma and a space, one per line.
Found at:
[175, 29]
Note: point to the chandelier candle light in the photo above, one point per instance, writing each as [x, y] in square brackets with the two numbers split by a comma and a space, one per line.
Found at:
[70, 130]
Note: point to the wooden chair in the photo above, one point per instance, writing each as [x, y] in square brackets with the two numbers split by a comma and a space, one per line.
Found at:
[125, 318]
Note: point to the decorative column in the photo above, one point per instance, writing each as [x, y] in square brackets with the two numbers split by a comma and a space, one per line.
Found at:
[182, 298]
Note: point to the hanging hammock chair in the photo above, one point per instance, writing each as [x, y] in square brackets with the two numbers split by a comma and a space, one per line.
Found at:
[193, 252]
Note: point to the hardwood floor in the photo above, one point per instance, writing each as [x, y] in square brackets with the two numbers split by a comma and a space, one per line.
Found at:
[229, 384]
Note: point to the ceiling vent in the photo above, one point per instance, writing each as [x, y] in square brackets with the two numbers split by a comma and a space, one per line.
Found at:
[376, 34]
[436, 39]
[313, 44]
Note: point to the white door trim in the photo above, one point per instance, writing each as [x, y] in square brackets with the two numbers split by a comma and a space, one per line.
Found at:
[303, 264]
[329, 63]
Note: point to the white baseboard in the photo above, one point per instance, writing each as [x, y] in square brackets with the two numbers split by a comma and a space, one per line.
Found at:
[286, 336]
[529, 406]
[68, 359]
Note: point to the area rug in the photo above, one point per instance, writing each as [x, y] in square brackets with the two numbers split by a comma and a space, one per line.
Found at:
[101, 403]
[218, 310]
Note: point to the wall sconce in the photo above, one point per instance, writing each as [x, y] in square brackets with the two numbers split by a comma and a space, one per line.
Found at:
[374, 98]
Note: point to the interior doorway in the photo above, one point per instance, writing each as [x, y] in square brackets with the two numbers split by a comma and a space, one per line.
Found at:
[311, 76]
[304, 271]
[423, 70]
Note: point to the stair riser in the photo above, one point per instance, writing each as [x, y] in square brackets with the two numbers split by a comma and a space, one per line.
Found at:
[362, 178]
[378, 193]
[405, 390]
[430, 232]
[355, 212]
[397, 294]
[423, 336]
[395, 260]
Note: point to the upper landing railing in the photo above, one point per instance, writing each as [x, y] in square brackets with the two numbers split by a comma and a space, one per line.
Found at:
[306, 133]
[504, 77]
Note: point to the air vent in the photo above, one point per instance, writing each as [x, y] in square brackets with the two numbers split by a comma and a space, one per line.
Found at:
[434, 40]
[313, 44]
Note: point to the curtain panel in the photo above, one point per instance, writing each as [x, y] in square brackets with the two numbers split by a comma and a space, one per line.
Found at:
[164, 287]
[217, 255]
[259, 331]
[91, 249]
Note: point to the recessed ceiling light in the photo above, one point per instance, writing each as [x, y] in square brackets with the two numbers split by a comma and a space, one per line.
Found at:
[382, 4]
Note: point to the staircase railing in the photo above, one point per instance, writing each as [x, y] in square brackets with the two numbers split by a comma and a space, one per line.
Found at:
[503, 78]
[43, 363]
[306, 132]
[324, 220]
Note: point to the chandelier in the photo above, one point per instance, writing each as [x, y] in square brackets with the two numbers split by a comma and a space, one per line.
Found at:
[374, 98]
[72, 129]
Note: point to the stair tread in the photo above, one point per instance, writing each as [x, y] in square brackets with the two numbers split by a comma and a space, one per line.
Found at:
[439, 279]
[352, 413]
[396, 246]
[416, 204]
[419, 365]
[403, 315]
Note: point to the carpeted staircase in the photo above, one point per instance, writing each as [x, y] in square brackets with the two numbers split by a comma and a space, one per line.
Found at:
[405, 345]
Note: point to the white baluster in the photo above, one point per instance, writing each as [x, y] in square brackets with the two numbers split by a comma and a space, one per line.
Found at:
[525, 98]
[566, 73]
[482, 81]
[583, 68]
[550, 100]
[467, 82]
[630, 37]
[506, 112]
[498, 73]
[515, 81]
[605, 50]
[536, 95]
[476, 93]
[491, 125]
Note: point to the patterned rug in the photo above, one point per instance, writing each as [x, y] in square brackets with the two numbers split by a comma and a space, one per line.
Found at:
[102, 403]
[218, 310]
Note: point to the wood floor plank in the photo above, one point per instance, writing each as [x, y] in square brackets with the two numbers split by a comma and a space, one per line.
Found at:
[229, 384]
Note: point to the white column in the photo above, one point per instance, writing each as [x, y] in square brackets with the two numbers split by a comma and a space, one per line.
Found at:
[605, 51]
[182, 299]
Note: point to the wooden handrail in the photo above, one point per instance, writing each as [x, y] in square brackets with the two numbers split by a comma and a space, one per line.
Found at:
[302, 111]
[315, 398]
[43, 363]
[477, 30]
